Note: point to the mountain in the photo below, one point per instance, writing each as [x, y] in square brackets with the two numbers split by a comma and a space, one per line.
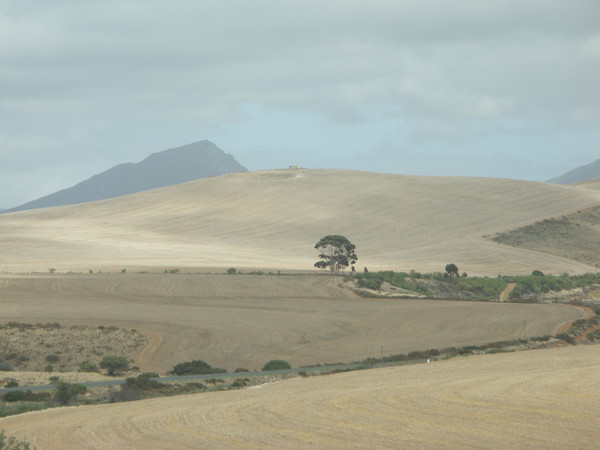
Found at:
[582, 173]
[174, 166]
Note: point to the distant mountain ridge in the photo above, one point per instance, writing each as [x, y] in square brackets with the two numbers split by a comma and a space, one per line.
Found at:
[582, 173]
[173, 166]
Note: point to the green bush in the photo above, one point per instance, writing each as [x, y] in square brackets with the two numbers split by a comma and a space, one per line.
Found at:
[240, 383]
[87, 366]
[565, 337]
[65, 393]
[114, 364]
[232, 271]
[276, 364]
[14, 396]
[20, 396]
[195, 367]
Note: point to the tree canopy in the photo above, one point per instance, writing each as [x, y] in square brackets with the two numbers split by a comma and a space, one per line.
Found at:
[114, 364]
[335, 252]
[452, 269]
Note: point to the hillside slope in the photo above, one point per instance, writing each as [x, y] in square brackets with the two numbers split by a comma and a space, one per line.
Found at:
[272, 220]
[174, 166]
[533, 399]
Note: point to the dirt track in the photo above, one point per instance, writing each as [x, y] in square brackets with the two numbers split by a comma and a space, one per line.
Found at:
[236, 321]
[536, 399]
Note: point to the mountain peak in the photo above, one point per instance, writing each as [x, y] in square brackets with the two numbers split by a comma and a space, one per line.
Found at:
[173, 166]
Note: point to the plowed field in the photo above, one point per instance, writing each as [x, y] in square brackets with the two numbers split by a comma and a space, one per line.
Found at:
[244, 321]
[538, 399]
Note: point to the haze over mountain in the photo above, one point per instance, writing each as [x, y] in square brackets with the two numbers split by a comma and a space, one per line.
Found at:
[579, 174]
[173, 166]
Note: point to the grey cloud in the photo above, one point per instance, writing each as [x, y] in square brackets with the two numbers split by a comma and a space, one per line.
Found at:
[95, 75]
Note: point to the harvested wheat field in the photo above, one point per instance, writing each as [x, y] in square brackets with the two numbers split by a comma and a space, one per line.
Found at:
[535, 399]
[236, 321]
[271, 220]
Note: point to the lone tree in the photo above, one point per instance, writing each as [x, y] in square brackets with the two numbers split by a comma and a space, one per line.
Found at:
[452, 270]
[336, 253]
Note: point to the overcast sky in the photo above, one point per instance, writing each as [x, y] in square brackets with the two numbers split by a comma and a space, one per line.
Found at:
[498, 88]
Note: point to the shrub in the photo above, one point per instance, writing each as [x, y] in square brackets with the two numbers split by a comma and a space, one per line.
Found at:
[52, 358]
[87, 366]
[5, 366]
[65, 392]
[114, 364]
[240, 383]
[232, 271]
[240, 370]
[195, 367]
[14, 396]
[20, 396]
[11, 383]
[276, 364]
[143, 382]
[565, 337]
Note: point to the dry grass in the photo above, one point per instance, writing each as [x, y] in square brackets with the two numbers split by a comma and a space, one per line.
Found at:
[537, 399]
[271, 220]
[246, 320]
[26, 347]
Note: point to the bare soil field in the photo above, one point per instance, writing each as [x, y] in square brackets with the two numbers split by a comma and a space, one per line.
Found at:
[271, 220]
[244, 321]
[543, 399]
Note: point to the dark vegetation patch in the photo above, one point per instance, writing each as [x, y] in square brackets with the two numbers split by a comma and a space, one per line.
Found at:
[576, 236]
[528, 288]
[51, 347]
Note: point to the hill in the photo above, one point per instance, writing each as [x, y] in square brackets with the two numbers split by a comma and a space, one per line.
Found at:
[582, 173]
[593, 183]
[271, 220]
[177, 165]
[532, 399]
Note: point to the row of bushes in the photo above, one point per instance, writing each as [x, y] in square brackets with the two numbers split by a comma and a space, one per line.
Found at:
[198, 367]
[479, 288]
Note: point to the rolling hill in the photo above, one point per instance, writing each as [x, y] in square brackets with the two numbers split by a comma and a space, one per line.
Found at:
[177, 165]
[271, 220]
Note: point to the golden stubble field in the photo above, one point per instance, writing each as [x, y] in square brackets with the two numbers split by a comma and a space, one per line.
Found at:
[271, 220]
[542, 399]
[244, 321]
